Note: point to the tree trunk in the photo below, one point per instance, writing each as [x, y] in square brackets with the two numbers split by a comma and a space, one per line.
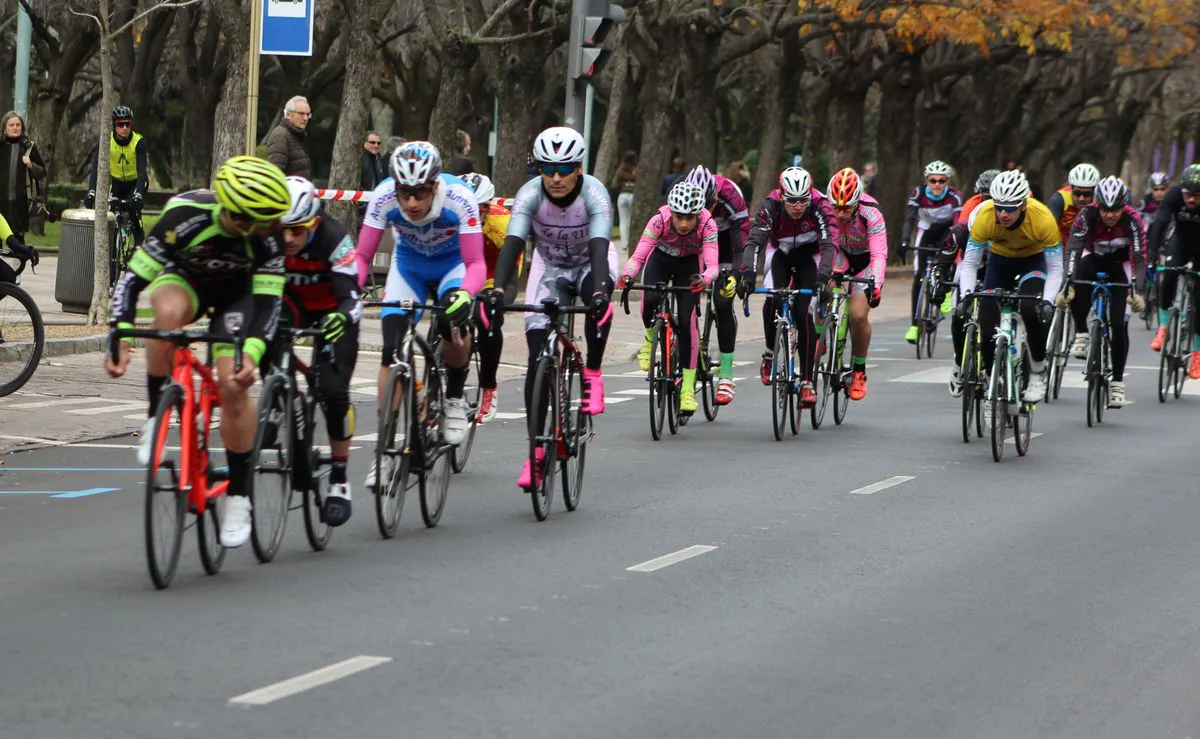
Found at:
[49, 101]
[846, 128]
[898, 108]
[229, 118]
[816, 126]
[608, 155]
[451, 103]
[346, 169]
[514, 135]
[653, 161]
[98, 310]
[784, 68]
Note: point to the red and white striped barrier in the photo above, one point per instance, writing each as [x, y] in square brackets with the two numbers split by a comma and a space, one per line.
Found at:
[358, 196]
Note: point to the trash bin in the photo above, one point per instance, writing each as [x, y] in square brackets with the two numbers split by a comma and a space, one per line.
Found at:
[76, 263]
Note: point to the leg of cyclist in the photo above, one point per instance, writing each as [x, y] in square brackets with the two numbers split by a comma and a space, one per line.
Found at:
[860, 341]
[175, 305]
[1119, 331]
[919, 262]
[1033, 283]
[490, 341]
[456, 351]
[1175, 255]
[596, 332]
[1085, 269]
[686, 305]
[726, 318]
[543, 283]
[803, 269]
[768, 317]
[339, 422]
[657, 270]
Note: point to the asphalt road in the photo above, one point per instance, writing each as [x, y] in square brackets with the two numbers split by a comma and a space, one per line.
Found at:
[1047, 596]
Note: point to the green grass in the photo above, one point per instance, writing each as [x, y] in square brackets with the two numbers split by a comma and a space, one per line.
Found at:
[48, 244]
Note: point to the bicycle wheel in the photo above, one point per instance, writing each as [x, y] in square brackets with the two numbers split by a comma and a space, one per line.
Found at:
[1053, 366]
[315, 529]
[708, 380]
[967, 381]
[208, 534]
[166, 503]
[436, 457]
[22, 338]
[1022, 418]
[271, 461]
[932, 321]
[1183, 344]
[542, 437]
[393, 452]
[998, 401]
[780, 382]
[828, 366]
[472, 393]
[1096, 397]
[659, 399]
[922, 300]
[674, 387]
[1166, 358]
[577, 427]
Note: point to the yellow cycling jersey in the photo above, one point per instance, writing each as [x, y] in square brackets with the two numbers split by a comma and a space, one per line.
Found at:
[5, 230]
[1035, 232]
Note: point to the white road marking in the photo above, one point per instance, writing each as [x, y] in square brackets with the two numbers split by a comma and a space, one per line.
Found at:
[34, 439]
[635, 391]
[51, 403]
[1013, 441]
[308, 680]
[875, 487]
[669, 559]
[116, 406]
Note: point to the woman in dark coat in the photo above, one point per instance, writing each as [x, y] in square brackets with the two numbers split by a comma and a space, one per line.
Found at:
[21, 172]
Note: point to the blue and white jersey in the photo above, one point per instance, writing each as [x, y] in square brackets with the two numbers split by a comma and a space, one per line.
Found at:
[454, 212]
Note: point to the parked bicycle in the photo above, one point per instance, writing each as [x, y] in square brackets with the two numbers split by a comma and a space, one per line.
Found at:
[1098, 365]
[785, 369]
[180, 478]
[1174, 355]
[22, 333]
[559, 429]
[832, 374]
[929, 308]
[666, 368]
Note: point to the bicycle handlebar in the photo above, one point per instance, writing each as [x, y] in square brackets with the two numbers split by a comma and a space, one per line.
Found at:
[840, 277]
[179, 337]
[404, 304]
[775, 292]
[998, 294]
[660, 287]
[1096, 283]
[23, 259]
[549, 307]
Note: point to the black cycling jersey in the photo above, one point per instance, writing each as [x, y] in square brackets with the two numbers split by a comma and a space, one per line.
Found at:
[323, 276]
[1187, 221]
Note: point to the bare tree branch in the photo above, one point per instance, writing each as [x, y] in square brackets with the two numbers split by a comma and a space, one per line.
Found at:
[497, 15]
[511, 39]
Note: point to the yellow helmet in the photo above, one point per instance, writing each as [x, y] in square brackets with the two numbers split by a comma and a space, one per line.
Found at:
[252, 187]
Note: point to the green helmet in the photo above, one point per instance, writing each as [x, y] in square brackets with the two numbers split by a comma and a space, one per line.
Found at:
[1191, 178]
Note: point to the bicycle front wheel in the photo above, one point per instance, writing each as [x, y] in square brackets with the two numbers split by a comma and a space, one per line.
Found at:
[998, 401]
[967, 381]
[781, 382]
[674, 386]
[271, 461]
[828, 366]
[708, 380]
[393, 452]
[208, 534]
[318, 532]
[659, 379]
[543, 443]
[577, 428]
[436, 457]
[166, 501]
[473, 393]
[922, 302]
[22, 338]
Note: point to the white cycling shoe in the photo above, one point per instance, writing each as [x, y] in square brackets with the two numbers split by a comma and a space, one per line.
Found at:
[454, 421]
[235, 524]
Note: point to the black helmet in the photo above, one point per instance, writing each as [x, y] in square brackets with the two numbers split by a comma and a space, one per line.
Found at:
[122, 113]
[1191, 178]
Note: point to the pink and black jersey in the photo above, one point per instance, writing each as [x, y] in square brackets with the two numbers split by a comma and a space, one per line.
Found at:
[862, 242]
[731, 209]
[661, 235]
[815, 231]
[1124, 242]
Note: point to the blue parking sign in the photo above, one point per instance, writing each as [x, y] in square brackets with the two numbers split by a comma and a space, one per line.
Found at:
[287, 27]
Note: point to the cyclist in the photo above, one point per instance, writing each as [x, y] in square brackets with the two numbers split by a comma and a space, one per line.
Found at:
[439, 249]
[1157, 184]
[490, 340]
[1107, 237]
[129, 167]
[862, 252]
[322, 290]
[1066, 203]
[678, 246]
[950, 259]
[217, 250]
[1024, 249]
[932, 209]
[723, 199]
[569, 216]
[1181, 207]
[798, 220]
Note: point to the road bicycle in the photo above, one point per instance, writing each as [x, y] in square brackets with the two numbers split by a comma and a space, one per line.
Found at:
[973, 386]
[785, 369]
[1058, 349]
[705, 376]
[929, 308]
[1098, 365]
[832, 374]
[22, 333]
[1174, 355]
[559, 429]
[285, 461]
[409, 450]
[180, 478]
[122, 246]
[666, 368]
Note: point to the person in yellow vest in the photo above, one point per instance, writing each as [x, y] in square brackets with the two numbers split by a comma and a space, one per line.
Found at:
[129, 165]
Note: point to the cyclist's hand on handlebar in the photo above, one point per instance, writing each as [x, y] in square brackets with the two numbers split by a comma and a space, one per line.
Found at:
[334, 326]
[1137, 302]
[458, 307]
[1063, 299]
[962, 311]
[697, 284]
[624, 281]
[246, 375]
[491, 313]
[746, 285]
[600, 308]
[874, 297]
[728, 284]
[123, 357]
[89, 200]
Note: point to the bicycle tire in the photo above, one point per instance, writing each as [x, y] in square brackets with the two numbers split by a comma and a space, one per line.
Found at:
[827, 365]
[1052, 358]
[473, 396]
[20, 351]
[315, 529]
[780, 382]
[268, 514]
[576, 433]
[658, 369]
[998, 399]
[436, 459]
[675, 387]
[1166, 358]
[1022, 420]
[208, 535]
[392, 486]
[922, 299]
[1183, 343]
[708, 379]
[162, 487]
[967, 383]
[932, 322]
[542, 493]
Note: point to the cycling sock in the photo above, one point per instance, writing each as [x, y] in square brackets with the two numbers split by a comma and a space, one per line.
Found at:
[726, 371]
[1196, 342]
[860, 363]
[337, 470]
[1164, 315]
[239, 470]
[456, 378]
[154, 387]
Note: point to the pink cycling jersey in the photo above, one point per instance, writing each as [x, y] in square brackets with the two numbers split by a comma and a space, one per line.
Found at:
[660, 234]
[731, 208]
[862, 242]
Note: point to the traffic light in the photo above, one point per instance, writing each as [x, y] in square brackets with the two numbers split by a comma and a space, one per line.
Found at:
[591, 22]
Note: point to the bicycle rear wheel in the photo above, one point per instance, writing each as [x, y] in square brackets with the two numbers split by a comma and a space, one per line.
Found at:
[967, 381]
[1183, 344]
[1166, 358]
[674, 387]
[577, 427]
[472, 393]
[546, 396]
[393, 452]
[922, 301]
[318, 532]
[22, 338]
[271, 461]
[208, 534]
[436, 457]
[1054, 366]
[781, 382]
[166, 502]
[829, 364]
[659, 398]
[998, 401]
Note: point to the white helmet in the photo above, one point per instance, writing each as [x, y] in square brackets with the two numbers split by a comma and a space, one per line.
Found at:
[559, 145]
[1010, 187]
[482, 185]
[795, 182]
[703, 179]
[415, 163]
[305, 203]
[937, 166]
[1083, 175]
[1158, 179]
[1111, 193]
[685, 198]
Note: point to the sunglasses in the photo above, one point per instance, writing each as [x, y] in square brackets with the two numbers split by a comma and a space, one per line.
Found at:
[1007, 208]
[797, 201]
[122, 124]
[374, 143]
[683, 216]
[1083, 194]
[1110, 211]
[937, 180]
[302, 229]
[414, 193]
[843, 209]
[557, 169]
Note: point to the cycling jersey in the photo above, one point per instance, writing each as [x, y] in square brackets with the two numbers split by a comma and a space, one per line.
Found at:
[449, 232]
[862, 242]
[189, 241]
[1065, 210]
[815, 231]
[1123, 242]
[323, 276]
[731, 209]
[561, 232]
[969, 207]
[1147, 208]
[661, 235]
[495, 227]
[1172, 209]
[1035, 232]
[927, 213]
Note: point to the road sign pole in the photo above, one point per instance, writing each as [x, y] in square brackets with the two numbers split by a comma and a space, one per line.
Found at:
[256, 11]
[573, 114]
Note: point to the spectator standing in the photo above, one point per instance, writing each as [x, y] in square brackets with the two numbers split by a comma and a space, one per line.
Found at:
[870, 171]
[460, 164]
[677, 167]
[373, 167]
[129, 168]
[285, 143]
[622, 185]
[21, 172]
[393, 143]
[739, 173]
